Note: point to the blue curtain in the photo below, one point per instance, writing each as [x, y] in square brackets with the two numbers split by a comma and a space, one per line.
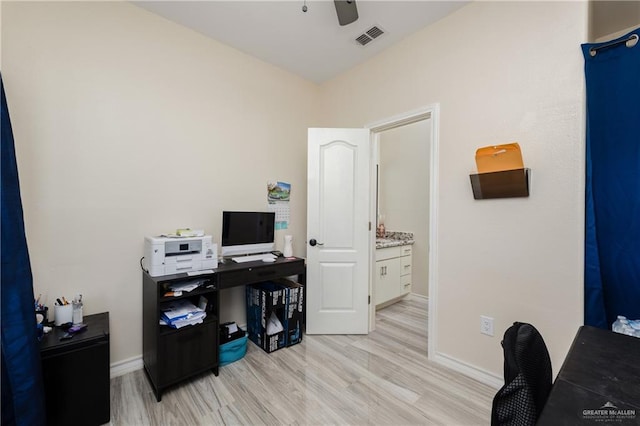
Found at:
[612, 234]
[22, 388]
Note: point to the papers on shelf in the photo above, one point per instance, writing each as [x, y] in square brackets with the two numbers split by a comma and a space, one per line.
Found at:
[181, 313]
[186, 285]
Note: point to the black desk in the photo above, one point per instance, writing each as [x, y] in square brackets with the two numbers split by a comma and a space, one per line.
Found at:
[76, 374]
[173, 355]
[601, 371]
[229, 275]
[233, 274]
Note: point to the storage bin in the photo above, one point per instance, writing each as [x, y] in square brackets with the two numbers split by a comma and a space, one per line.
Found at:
[263, 299]
[226, 335]
[232, 351]
[294, 311]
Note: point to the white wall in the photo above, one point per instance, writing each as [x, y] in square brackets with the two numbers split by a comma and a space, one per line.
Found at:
[612, 19]
[404, 191]
[128, 125]
[501, 72]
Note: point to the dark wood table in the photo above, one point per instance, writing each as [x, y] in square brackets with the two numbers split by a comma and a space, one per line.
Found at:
[599, 382]
[76, 374]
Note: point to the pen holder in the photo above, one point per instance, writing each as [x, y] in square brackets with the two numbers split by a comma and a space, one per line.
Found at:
[77, 312]
[44, 312]
[62, 314]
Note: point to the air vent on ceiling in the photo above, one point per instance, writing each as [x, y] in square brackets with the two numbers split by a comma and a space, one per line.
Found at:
[368, 36]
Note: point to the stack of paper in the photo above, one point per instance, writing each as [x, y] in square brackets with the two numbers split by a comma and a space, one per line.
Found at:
[180, 313]
[186, 285]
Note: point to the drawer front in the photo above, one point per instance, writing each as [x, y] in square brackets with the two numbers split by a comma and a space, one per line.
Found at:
[387, 253]
[405, 284]
[405, 265]
[174, 260]
[406, 250]
[258, 274]
[182, 266]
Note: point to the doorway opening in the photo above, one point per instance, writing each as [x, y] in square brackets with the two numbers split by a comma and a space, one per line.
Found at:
[404, 190]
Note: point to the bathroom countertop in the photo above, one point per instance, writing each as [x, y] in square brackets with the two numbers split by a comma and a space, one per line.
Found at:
[394, 239]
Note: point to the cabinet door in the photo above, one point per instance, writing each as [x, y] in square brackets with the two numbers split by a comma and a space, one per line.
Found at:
[76, 384]
[387, 280]
[187, 351]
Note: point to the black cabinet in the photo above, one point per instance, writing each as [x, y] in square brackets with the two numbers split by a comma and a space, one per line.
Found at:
[171, 355]
[76, 374]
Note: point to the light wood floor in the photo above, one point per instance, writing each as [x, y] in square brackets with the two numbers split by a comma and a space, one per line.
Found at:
[382, 378]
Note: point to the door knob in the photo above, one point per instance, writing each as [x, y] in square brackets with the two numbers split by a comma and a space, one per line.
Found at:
[313, 242]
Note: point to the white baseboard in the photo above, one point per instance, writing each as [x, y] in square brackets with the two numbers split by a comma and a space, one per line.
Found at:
[420, 296]
[126, 366]
[483, 376]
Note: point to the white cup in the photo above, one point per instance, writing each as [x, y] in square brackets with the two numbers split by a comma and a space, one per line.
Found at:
[62, 314]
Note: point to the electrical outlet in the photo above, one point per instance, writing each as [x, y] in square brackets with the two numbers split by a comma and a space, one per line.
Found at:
[486, 325]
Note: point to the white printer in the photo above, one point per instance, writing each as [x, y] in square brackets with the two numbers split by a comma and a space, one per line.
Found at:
[168, 255]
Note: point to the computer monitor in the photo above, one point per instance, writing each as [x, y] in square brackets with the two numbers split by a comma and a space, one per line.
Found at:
[247, 232]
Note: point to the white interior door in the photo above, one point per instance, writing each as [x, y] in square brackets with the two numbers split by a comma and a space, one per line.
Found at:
[338, 231]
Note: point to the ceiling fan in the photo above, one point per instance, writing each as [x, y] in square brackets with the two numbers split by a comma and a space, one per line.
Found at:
[347, 11]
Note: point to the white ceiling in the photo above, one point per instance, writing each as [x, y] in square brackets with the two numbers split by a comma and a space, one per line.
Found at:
[312, 45]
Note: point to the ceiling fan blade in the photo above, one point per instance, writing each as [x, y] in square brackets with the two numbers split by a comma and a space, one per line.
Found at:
[347, 11]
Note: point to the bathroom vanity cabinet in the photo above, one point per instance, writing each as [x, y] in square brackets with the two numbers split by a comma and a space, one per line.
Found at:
[393, 274]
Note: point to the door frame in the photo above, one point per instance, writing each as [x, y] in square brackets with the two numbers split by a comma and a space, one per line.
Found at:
[430, 112]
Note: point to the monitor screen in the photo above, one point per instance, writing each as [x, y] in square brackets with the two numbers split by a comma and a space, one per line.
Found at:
[242, 228]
